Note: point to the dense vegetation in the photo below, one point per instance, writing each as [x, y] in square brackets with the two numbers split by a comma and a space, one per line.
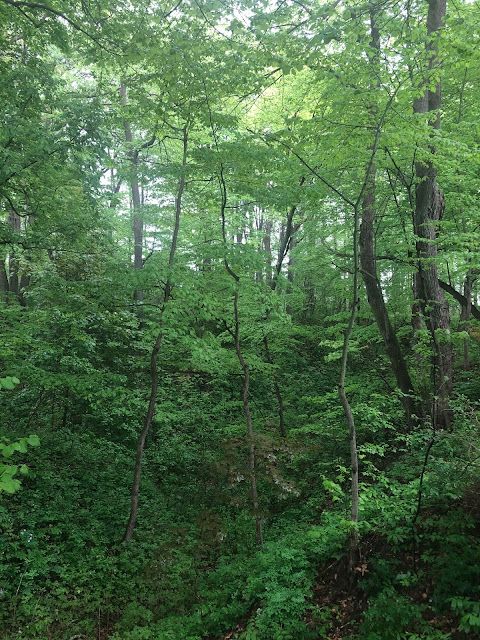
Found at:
[240, 336]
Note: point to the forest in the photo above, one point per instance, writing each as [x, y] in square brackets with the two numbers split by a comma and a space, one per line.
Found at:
[240, 319]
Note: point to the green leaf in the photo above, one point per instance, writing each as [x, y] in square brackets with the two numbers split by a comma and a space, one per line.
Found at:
[7, 450]
[7, 383]
[8, 484]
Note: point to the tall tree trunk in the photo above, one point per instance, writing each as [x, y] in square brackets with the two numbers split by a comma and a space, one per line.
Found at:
[248, 417]
[429, 208]
[370, 274]
[13, 266]
[379, 308]
[287, 242]
[4, 287]
[346, 405]
[290, 277]
[278, 392]
[246, 372]
[154, 355]
[136, 204]
[267, 247]
[465, 313]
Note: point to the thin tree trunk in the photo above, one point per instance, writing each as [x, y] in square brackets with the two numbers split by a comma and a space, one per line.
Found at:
[154, 355]
[287, 242]
[278, 393]
[465, 313]
[267, 246]
[248, 417]
[290, 277]
[246, 374]
[141, 441]
[4, 288]
[136, 205]
[353, 546]
[13, 266]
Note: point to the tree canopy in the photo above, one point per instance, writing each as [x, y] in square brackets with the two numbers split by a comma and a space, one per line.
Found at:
[239, 307]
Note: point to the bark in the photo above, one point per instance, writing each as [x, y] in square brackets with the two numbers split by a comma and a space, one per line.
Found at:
[418, 296]
[429, 208]
[278, 393]
[248, 417]
[287, 242]
[267, 246]
[13, 266]
[246, 375]
[370, 275]
[346, 405]
[462, 299]
[4, 288]
[291, 275]
[465, 317]
[136, 204]
[379, 308]
[154, 355]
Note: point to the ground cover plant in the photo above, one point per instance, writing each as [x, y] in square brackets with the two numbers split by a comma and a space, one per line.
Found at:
[239, 317]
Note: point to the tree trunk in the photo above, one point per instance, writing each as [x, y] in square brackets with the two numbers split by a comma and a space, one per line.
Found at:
[353, 546]
[13, 266]
[465, 317]
[278, 393]
[429, 208]
[290, 276]
[370, 275]
[248, 417]
[287, 242]
[245, 369]
[136, 204]
[4, 288]
[379, 308]
[154, 355]
[267, 246]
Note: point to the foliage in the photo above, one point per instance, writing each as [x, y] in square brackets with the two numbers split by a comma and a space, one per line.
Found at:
[243, 146]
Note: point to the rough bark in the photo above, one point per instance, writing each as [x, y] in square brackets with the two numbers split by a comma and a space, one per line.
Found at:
[429, 208]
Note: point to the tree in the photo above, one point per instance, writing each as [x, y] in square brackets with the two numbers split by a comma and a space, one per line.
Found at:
[429, 209]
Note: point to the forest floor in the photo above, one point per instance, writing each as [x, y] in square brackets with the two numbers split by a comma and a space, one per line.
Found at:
[346, 600]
